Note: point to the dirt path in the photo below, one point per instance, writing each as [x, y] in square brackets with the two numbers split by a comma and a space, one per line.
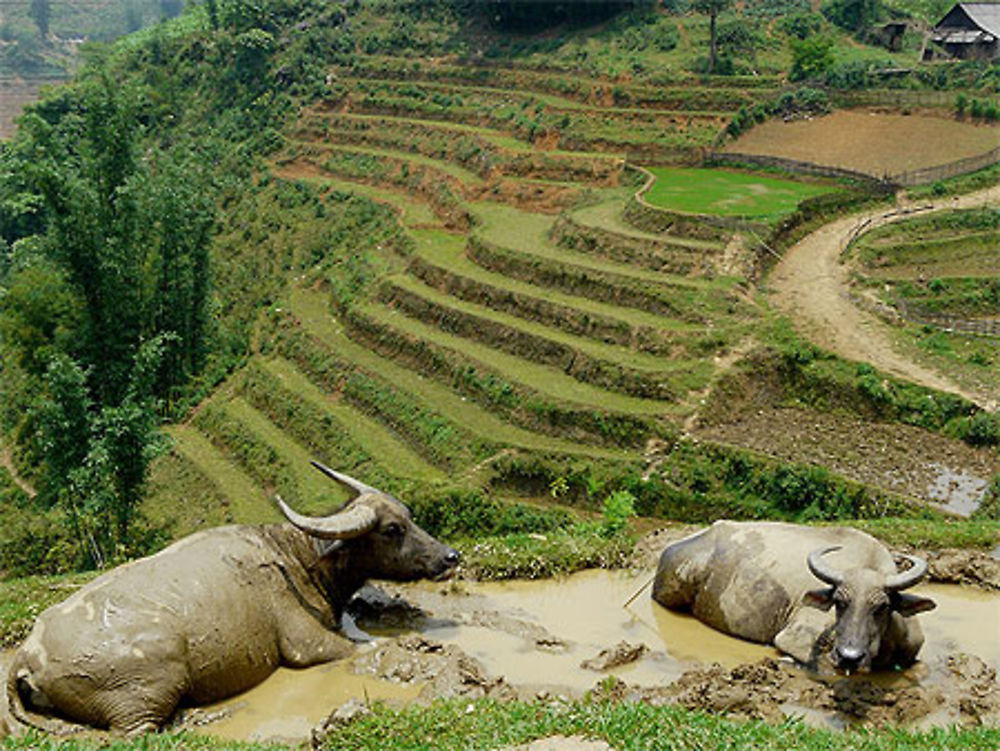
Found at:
[812, 286]
[7, 462]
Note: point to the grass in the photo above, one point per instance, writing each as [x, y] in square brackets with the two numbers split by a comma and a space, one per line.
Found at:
[246, 500]
[312, 309]
[527, 233]
[461, 174]
[609, 353]
[724, 193]
[446, 251]
[21, 600]
[392, 453]
[316, 493]
[607, 215]
[485, 724]
[413, 211]
[545, 380]
[476, 725]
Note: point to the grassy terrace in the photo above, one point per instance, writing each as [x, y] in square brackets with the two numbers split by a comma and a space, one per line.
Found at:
[312, 310]
[709, 191]
[245, 498]
[606, 215]
[546, 380]
[446, 251]
[461, 174]
[393, 454]
[528, 233]
[345, 121]
[618, 355]
[413, 213]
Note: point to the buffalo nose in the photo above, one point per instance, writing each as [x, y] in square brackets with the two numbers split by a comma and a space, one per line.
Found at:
[452, 558]
[849, 658]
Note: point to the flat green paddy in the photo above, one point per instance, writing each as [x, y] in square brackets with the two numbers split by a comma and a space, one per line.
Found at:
[725, 193]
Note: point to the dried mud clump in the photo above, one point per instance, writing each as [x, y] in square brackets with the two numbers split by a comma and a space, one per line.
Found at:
[967, 693]
[445, 670]
[612, 657]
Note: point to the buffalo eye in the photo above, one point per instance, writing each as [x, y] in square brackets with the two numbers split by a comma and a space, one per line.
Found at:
[881, 608]
[393, 530]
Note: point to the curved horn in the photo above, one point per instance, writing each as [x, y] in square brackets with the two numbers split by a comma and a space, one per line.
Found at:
[346, 480]
[823, 570]
[354, 522]
[905, 579]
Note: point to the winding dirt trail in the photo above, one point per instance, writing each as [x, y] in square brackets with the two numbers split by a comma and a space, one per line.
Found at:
[811, 285]
[7, 461]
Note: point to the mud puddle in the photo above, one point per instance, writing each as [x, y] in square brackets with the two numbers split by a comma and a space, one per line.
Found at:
[954, 490]
[291, 702]
[564, 637]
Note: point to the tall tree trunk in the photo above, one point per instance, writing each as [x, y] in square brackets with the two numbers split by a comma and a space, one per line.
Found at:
[712, 50]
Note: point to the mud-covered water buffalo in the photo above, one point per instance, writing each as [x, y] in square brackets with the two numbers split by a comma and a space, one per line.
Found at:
[758, 581]
[213, 614]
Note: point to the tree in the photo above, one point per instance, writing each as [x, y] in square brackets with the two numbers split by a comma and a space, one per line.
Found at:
[811, 57]
[712, 8]
[106, 313]
[41, 12]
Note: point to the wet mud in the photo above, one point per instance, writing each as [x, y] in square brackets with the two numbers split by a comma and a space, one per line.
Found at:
[566, 637]
[569, 636]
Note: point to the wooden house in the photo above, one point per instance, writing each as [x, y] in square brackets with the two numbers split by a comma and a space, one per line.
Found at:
[969, 31]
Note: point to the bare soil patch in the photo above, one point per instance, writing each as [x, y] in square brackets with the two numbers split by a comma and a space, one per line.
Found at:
[876, 143]
[900, 458]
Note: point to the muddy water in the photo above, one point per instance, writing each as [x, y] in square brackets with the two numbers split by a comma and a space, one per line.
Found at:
[291, 702]
[965, 620]
[553, 626]
[536, 634]
[956, 490]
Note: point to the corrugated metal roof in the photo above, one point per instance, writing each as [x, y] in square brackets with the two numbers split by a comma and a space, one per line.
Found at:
[985, 15]
[962, 36]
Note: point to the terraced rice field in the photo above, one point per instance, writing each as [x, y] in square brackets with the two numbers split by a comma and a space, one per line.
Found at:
[526, 317]
[722, 193]
[874, 143]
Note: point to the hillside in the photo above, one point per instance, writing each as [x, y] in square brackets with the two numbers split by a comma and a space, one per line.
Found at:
[524, 332]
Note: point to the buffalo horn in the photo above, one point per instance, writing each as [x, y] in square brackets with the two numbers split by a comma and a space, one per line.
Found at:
[823, 570]
[354, 522]
[346, 480]
[904, 579]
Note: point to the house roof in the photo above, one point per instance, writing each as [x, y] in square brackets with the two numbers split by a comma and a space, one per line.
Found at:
[984, 15]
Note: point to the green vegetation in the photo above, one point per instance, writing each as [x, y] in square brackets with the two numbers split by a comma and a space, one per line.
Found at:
[624, 725]
[287, 230]
[723, 193]
[941, 274]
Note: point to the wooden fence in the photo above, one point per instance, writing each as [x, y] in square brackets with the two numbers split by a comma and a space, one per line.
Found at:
[945, 171]
[977, 326]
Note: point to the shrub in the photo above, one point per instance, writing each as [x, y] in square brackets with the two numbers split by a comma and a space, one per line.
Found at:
[811, 57]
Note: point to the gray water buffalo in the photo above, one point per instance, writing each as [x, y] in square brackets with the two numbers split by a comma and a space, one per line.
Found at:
[213, 614]
[758, 581]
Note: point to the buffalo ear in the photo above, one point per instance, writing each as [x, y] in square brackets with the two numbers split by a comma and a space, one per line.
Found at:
[819, 598]
[907, 604]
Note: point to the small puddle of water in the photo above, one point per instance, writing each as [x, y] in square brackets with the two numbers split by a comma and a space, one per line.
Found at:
[957, 491]
[291, 702]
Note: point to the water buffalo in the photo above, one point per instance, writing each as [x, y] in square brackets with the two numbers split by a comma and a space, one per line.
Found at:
[757, 580]
[213, 614]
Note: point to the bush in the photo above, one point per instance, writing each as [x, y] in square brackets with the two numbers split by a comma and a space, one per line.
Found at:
[982, 429]
[989, 507]
[811, 57]
[801, 25]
